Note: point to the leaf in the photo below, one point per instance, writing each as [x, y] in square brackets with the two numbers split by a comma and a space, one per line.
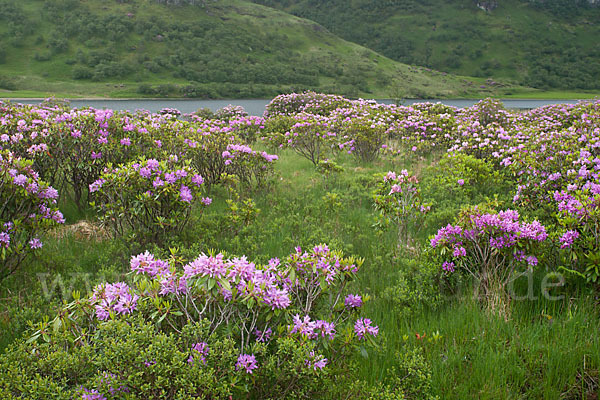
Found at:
[33, 338]
[225, 284]
[56, 324]
[211, 283]
[323, 284]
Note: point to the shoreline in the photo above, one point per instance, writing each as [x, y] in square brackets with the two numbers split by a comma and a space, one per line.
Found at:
[591, 97]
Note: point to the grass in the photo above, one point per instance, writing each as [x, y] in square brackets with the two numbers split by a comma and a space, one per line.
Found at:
[553, 94]
[480, 356]
[547, 349]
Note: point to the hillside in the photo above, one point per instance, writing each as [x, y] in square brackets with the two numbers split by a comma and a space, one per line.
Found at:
[200, 49]
[548, 44]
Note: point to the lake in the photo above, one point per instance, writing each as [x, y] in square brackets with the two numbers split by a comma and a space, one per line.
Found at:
[257, 106]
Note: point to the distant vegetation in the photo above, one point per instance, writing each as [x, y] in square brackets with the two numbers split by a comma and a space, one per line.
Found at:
[547, 44]
[199, 49]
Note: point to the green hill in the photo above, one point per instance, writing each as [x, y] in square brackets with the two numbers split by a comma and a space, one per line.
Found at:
[205, 49]
[548, 44]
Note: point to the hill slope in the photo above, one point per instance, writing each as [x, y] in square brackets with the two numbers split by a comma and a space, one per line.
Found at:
[210, 49]
[539, 43]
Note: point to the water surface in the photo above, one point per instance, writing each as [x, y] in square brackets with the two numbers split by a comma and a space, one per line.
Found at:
[257, 106]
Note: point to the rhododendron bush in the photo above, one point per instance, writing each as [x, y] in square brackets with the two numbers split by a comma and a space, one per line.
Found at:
[398, 200]
[362, 130]
[311, 136]
[423, 129]
[70, 148]
[265, 329]
[490, 247]
[214, 150]
[149, 198]
[27, 209]
[308, 102]
[579, 216]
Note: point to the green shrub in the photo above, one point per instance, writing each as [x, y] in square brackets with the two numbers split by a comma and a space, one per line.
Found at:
[210, 328]
[27, 209]
[149, 200]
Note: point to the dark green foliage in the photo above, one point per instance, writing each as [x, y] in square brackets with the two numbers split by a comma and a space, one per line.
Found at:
[135, 356]
[81, 72]
[415, 287]
[209, 49]
[7, 83]
[460, 38]
[480, 182]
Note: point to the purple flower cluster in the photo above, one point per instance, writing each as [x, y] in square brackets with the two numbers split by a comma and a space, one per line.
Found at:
[312, 329]
[263, 336]
[448, 266]
[315, 361]
[568, 238]
[241, 151]
[501, 230]
[353, 301]
[199, 352]
[483, 235]
[316, 265]
[363, 327]
[92, 394]
[264, 284]
[118, 298]
[246, 362]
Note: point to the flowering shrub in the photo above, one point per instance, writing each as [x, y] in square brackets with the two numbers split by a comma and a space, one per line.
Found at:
[365, 135]
[398, 200]
[84, 149]
[72, 147]
[489, 247]
[308, 102]
[247, 128]
[231, 112]
[27, 209]
[150, 199]
[247, 165]
[267, 330]
[26, 132]
[310, 136]
[487, 111]
[422, 130]
[579, 215]
[214, 151]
